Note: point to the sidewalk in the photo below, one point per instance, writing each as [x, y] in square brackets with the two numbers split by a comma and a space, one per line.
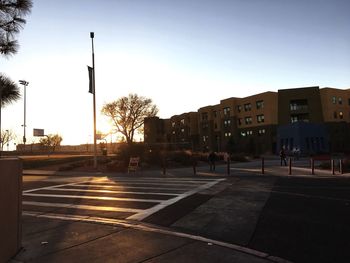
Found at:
[83, 240]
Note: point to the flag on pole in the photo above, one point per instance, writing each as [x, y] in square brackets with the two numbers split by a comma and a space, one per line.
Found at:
[91, 88]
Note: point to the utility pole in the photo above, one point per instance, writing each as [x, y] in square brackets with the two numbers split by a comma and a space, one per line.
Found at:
[25, 84]
[92, 35]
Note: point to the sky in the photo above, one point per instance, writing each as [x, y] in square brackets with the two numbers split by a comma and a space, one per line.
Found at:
[183, 54]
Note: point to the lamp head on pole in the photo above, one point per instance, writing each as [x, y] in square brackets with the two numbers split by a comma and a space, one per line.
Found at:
[23, 82]
[92, 34]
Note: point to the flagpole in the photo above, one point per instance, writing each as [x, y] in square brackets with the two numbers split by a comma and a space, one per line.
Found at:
[94, 96]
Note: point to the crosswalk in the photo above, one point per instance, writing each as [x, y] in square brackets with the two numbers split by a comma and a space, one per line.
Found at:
[114, 197]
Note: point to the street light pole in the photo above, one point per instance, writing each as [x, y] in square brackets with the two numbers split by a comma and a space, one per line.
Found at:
[25, 84]
[92, 35]
[7, 139]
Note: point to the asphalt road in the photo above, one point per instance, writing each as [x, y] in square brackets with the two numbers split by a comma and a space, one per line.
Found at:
[300, 218]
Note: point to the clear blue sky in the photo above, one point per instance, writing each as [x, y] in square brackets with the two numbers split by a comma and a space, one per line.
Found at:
[183, 54]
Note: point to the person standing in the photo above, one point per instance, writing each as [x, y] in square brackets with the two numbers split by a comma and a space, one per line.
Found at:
[283, 157]
[211, 159]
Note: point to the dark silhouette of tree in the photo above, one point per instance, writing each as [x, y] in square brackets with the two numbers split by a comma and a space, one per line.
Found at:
[51, 140]
[12, 13]
[128, 114]
[9, 90]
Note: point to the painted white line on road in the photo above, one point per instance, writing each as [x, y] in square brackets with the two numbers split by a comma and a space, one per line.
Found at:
[161, 180]
[147, 212]
[149, 228]
[138, 183]
[105, 198]
[106, 191]
[131, 187]
[85, 207]
[59, 185]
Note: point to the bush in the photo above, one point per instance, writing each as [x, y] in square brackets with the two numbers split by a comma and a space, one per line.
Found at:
[239, 158]
[126, 151]
[181, 157]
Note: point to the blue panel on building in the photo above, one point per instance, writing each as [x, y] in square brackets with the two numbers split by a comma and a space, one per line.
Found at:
[308, 138]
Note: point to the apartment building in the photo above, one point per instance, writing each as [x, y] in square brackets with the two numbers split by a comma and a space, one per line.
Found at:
[309, 119]
[300, 119]
[184, 130]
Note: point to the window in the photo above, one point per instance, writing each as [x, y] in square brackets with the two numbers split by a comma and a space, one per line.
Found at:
[227, 123]
[260, 104]
[299, 117]
[247, 107]
[239, 120]
[215, 125]
[349, 102]
[243, 134]
[174, 132]
[205, 138]
[293, 119]
[215, 113]
[239, 107]
[261, 131]
[340, 100]
[307, 143]
[182, 121]
[227, 134]
[298, 105]
[204, 116]
[248, 120]
[334, 100]
[260, 118]
[335, 115]
[182, 130]
[173, 124]
[249, 133]
[340, 115]
[226, 111]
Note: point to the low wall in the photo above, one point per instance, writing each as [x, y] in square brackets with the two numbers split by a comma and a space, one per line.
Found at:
[10, 207]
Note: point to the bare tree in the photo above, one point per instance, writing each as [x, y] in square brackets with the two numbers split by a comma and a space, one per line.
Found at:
[6, 137]
[12, 13]
[128, 114]
[51, 140]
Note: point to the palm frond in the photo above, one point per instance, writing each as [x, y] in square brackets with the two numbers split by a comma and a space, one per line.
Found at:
[9, 91]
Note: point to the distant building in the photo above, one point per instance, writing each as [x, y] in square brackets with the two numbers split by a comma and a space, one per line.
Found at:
[310, 120]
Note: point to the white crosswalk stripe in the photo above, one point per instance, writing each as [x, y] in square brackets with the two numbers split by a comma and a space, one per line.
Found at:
[130, 198]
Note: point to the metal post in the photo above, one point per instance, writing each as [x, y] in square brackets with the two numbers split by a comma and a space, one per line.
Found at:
[333, 167]
[164, 165]
[262, 165]
[290, 166]
[8, 138]
[341, 166]
[194, 167]
[92, 35]
[25, 84]
[229, 164]
[312, 166]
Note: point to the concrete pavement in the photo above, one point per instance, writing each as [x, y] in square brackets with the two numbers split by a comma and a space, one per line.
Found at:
[57, 240]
